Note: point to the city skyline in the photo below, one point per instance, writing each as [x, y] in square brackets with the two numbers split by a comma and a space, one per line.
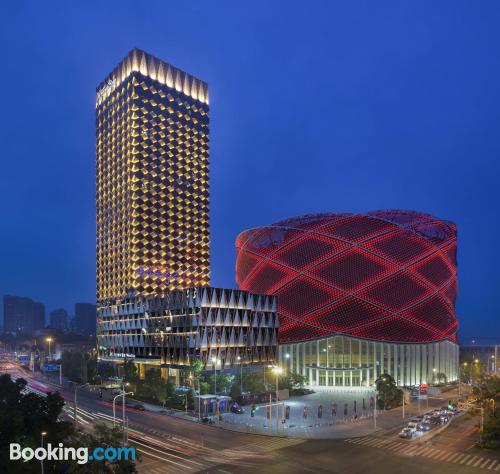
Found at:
[419, 135]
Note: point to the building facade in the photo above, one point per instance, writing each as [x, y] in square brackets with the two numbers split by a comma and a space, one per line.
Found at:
[22, 315]
[342, 361]
[377, 289]
[59, 319]
[84, 321]
[152, 147]
[217, 326]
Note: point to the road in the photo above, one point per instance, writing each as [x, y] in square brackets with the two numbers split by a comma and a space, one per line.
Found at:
[172, 445]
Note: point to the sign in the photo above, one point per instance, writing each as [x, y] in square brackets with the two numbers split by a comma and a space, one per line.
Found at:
[283, 394]
[102, 91]
[51, 368]
[122, 355]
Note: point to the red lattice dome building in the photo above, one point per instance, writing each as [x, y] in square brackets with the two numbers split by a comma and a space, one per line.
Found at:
[388, 276]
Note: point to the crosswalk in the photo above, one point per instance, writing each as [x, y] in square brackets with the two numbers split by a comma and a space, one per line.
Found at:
[266, 444]
[437, 454]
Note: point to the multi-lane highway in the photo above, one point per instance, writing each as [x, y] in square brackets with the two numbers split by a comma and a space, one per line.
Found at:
[172, 445]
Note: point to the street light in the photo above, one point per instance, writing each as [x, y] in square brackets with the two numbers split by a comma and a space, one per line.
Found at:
[241, 373]
[122, 394]
[277, 371]
[44, 433]
[75, 405]
[49, 340]
[214, 361]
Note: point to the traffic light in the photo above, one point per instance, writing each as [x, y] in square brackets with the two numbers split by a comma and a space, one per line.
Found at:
[252, 411]
[450, 405]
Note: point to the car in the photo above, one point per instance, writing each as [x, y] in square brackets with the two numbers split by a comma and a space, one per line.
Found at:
[237, 409]
[412, 425]
[424, 427]
[406, 433]
[417, 419]
[138, 406]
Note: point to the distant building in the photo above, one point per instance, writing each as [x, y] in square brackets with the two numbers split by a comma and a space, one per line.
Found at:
[22, 315]
[85, 318]
[59, 319]
[39, 315]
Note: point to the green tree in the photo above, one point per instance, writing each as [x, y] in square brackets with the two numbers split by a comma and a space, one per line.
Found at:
[23, 417]
[388, 394]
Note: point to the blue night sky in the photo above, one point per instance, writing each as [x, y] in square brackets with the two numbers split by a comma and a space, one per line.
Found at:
[315, 106]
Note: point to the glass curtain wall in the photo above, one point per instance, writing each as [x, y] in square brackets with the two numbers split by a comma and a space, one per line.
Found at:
[348, 362]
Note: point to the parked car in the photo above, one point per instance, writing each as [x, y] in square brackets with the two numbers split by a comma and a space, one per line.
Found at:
[406, 433]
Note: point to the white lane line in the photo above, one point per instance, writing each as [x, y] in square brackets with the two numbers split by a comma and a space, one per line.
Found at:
[164, 459]
[392, 445]
[479, 461]
[358, 441]
[471, 460]
[380, 442]
[372, 442]
[454, 457]
[460, 458]
[465, 459]
[436, 454]
[168, 454]
[492, 464]
[446, 456]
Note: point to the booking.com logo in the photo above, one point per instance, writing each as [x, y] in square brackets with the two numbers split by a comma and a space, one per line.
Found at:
[61, 453]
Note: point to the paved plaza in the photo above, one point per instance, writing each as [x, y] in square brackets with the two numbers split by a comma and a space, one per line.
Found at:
[327, 413]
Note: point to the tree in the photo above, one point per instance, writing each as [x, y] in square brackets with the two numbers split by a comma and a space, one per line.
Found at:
[388, 394]
[23, 417]
[487, 393]
[130, 372]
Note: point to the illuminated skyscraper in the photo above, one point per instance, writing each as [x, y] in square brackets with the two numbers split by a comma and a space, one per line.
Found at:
[152, 150]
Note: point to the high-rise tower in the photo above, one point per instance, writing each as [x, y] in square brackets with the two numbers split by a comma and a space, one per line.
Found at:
[152, 188]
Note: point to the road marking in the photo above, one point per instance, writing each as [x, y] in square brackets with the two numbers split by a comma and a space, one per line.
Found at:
[466, 458]
[437, 453]
[420, 450]
[470, 461]
[392, 445]
[492, 464]
[164, 459]
[497, 468]
[479, 461]
[167, 454]
[454, 457]
[358, 441]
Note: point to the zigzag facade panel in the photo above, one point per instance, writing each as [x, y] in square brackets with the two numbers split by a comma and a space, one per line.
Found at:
[232, 327]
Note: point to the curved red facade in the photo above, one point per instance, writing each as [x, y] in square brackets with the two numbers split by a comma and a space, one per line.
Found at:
[388, 275]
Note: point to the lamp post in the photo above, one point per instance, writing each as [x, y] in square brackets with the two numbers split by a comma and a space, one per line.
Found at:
[277, 371]
[44, 433]
[49, 340]
[75, 413]
[214, 361]
[241, 374]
